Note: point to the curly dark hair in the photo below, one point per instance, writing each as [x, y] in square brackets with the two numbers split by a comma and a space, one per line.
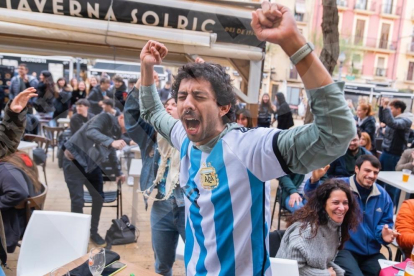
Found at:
[220, 82]
[314, 213]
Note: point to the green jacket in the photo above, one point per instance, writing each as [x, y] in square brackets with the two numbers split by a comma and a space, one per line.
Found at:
[290, 184]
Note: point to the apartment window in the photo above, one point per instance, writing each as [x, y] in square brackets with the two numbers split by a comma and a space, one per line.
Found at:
[342, 3]
[361, 4]
[359, 31]
[385, 32]
[410, 74]
[293, 73]
[380, 70]
[356, 64]
[275, 89]
[387, 6]
[412, 41]
[300, 9]
[293, 95]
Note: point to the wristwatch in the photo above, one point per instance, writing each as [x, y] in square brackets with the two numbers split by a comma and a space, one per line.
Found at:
[302, 53]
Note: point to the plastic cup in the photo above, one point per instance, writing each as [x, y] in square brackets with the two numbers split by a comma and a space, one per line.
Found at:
[409, 269]
[406, 175]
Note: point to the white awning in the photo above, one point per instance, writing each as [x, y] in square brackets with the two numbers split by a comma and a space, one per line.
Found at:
[47, 34]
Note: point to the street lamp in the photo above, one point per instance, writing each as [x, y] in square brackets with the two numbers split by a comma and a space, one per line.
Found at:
[341, 59]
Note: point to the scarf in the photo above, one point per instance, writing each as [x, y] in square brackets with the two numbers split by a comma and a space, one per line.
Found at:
[167, 152]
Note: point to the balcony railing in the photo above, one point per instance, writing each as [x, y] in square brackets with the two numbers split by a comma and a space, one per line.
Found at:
[380, 72]
[384, 44]
[342, 3]
[391, 9]
[293, 73]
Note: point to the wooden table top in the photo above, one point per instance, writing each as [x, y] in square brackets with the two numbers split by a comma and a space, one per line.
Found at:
[130, 269]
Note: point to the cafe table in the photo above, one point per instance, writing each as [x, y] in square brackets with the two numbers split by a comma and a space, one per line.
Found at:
[137, 152]
[394, 179]
[27, 147]
[130, 269]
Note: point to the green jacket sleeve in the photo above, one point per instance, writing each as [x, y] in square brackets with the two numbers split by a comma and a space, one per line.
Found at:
[11, 130]
[287, 184]
[154, 113]
[316, 145]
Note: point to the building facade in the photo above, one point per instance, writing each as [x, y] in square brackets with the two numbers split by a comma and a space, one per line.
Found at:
[280, 74]
[376, 38]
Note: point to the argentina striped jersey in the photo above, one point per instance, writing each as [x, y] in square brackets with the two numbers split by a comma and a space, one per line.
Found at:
[227, 201]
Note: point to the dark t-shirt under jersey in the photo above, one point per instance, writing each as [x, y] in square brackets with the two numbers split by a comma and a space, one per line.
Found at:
[77, 121]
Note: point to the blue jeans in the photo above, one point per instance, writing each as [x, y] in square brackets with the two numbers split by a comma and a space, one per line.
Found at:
[388, 163]
[167, 222]
[295, 207]
[2, 272]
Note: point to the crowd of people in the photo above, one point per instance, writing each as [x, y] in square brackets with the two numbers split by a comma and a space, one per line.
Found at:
[212, 167]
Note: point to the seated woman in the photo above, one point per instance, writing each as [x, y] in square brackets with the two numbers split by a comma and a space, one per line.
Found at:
[19, 180]
[316, 231]
[365, 141]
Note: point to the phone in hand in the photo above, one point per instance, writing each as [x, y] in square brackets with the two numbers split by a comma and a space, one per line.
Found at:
[113, 268]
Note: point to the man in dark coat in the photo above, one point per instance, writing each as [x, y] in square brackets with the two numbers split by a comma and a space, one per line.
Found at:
[91, 146]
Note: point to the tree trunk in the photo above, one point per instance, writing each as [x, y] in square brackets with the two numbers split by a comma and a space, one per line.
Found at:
[330, 51]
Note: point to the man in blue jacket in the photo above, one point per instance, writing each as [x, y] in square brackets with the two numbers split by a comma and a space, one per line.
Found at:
[362, 251]
[344, 166]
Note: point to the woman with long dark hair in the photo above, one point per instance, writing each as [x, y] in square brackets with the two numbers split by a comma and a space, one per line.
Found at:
[283, 112]
[266, 109]
[46, 91]
[318, 230]
[19, 179]
[61, 100]
[244, 118]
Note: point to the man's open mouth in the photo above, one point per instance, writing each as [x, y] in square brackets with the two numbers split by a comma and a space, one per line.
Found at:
[192, 124]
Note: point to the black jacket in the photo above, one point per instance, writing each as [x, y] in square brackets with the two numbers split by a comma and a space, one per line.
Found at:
[91, 145]
[15, 186]
[397, 131]
[62, 104]
[95, 96]
[44, 100]
[77, 121]
[369, 127]
[77, 95]
[117, 94]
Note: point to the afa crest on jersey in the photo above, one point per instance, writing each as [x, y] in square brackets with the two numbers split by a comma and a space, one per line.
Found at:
[208, 177]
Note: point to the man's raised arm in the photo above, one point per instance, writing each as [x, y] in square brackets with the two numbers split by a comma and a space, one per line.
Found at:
[152, 109]
[309, 147]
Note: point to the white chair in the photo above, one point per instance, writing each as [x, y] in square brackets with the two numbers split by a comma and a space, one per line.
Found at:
[179, 251]
[284, 267]
[51, 240]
